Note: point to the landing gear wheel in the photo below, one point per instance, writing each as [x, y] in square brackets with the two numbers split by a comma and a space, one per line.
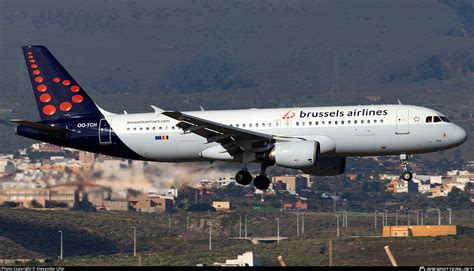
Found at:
[407, 176]
[261, 182]
[243, 177]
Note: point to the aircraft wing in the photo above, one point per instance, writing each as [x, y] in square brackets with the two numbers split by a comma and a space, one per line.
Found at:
[233, 139]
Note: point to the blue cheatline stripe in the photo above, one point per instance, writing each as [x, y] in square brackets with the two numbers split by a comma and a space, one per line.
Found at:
[157, 137]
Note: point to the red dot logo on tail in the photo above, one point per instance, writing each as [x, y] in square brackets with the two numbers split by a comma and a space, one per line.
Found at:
[66, 82]
[36, 72]
[42, 88]
[77, 99]
[75, 88]
[56, 79]
[34, 66]
[38, 79]
[45, 98]
[49, 110]
[65, 106]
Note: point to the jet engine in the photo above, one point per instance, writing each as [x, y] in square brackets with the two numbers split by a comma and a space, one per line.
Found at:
[295, 154]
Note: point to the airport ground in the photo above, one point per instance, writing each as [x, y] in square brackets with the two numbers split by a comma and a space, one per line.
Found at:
[106, 238]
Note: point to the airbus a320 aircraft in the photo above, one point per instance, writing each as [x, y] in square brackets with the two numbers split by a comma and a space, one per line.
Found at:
[315, 140]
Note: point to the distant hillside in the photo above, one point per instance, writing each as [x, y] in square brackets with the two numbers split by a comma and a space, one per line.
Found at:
[180, 54]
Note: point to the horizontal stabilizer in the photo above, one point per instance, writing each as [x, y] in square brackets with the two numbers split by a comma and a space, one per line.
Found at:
[43, 128]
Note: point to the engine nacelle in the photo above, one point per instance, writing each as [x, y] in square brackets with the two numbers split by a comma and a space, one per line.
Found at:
[327, 166]
[296, 154]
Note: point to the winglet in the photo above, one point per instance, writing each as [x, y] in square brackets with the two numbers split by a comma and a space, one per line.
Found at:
[158, 111]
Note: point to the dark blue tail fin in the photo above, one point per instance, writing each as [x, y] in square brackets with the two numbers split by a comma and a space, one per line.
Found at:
[57, 94]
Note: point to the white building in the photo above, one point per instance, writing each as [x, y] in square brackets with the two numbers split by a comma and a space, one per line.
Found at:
[169, 192]
[7, 167]
[246, 259]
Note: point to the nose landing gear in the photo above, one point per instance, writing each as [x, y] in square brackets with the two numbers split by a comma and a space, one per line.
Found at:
[407, 175]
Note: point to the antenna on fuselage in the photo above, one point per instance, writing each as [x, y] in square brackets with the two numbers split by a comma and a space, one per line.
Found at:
[202, 108]
[399, 102]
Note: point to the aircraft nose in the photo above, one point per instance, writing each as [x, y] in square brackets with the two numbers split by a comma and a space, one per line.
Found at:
[459, 135]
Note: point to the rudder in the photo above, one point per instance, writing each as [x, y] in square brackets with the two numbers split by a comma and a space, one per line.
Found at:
[57, 94]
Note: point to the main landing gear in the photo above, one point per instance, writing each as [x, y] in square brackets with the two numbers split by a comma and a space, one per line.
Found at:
[407, 175]
[262, 182]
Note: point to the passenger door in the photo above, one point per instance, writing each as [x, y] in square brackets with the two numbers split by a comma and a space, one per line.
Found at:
[105, 132]
[402, 126]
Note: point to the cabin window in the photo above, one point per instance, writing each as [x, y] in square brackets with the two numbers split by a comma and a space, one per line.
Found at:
[243, 125]
[381, 121]
[335, 122]
[355, 121]
[250, 125]
[429, 119]
[310, 123]
[342, 122]
[375, 121]
[445, 119]
[154, 128]
[230, 125]
[161, 128]
[256, 125]
[270, 125]
[147, 128]
[302, 123]
[237, 125]
[362, 121]
[316, 123]
[263, 124]
[323, 122]
[172, 127]
[368, 121]
[128, 129]
[297, 124]
[349, 122]
[141, 128]
[134, 128]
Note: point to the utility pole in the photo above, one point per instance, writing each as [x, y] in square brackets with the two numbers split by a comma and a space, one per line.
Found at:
[245, 226]
[278, 229]
[169, 221]
[408, 214]
[386, 218]
[297, 223]
[134, 241]
[240, 226]
[61, 246]
[210, 236]
[439, 216]
[187, 222]
[449, 210]
[337, 218]
[417, 219]
[375, 218]
[302, 223]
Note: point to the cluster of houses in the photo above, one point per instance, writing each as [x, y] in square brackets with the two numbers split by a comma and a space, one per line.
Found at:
[433, 185]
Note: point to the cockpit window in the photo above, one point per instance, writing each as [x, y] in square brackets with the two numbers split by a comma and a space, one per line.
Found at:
[429, 119]
[445, 119]
[436, 119]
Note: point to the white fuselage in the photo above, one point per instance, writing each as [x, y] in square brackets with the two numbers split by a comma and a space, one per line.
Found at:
[353, 130]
